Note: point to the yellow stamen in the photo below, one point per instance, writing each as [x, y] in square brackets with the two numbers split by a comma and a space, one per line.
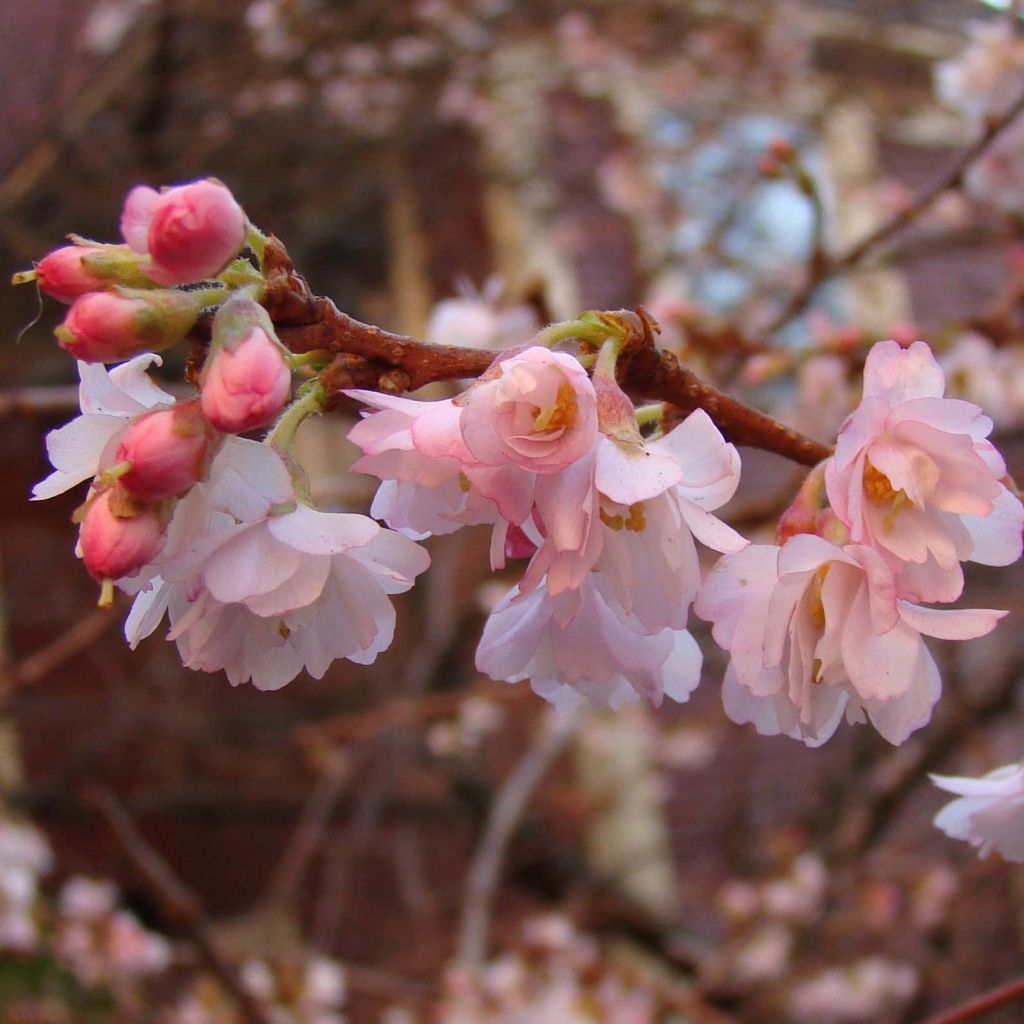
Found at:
[561, 414]
[879, 489]
[637, 520]
[612, 522]
[464, 484]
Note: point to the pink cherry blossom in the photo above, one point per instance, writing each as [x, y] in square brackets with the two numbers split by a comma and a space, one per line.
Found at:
[110, 400]
[815, 631]
[246, 379]
[914, 476]
[119, 535]
[108, 327]
[168, 450]
[581, 645]
[535, 409]
[75, 270]
[989, 813]
[260, 585]
[191, 232]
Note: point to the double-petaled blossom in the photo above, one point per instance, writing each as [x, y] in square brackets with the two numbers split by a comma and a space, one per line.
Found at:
[110, 401]
[989, 812]
[915, 477]
[583, 645]
[260, 585]
[561, 471]
[190, 232]
[815, 631]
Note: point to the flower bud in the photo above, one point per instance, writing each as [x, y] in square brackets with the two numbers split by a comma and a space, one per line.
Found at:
[107, 327]
[246, 379]
[74, 270]
[191, 232]
[119, 535]
[168, 450]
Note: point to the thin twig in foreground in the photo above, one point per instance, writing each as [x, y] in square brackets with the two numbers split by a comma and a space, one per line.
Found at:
[824, 270]
[978, 1006]
[179, 905]
[506, 812]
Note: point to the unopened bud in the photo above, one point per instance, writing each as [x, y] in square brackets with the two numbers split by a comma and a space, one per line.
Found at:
[768, 166]
[782, 149]
[246, 379]
[168, 451]
[107, 327]
[119, 535]
[190, 232]
[75, 270]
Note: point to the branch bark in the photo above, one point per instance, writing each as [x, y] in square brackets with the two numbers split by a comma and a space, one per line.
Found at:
[368, 356]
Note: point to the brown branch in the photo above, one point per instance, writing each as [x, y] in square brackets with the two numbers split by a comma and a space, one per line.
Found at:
[978, 1006]
[394, 363]
[821, 270]
[37, 666]
[179, 905]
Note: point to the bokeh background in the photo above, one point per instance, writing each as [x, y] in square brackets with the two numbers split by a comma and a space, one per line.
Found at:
[550, 157]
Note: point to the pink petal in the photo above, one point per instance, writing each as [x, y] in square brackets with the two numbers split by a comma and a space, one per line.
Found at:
[950, 623]
[136, 216]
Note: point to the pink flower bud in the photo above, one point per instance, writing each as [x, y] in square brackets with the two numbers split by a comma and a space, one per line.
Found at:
[107, 327]
[119, 535]
[245, 382]
[74, 270]
[191, 232]
[169, 450]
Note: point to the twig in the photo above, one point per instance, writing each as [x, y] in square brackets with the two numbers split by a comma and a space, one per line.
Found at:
[978, 1006]
[39, 665]
[506, 812]
[180, 906]
[372, 357]
[871, 811]
[821, 271]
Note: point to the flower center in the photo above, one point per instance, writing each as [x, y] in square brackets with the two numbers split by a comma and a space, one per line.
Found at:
[879, 489]
[561, 413]
[635, 521]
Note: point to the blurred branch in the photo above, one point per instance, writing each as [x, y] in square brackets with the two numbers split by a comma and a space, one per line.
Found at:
[39, 665]
[506, 812]
[179, 905]
[977, 1007]
[823, 270]
[870, 808]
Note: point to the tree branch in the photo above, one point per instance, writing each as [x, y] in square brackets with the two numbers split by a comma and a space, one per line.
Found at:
[821, 271]
[179, 905]
[974, 1008]
[372, 357]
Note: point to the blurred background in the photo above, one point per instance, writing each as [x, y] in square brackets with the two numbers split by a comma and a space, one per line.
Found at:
[451, 168]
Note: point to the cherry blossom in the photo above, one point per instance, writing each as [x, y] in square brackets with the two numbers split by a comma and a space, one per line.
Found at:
[815, 632]
[119, 534]
[475, 320]
[246, 378]
[581, 645]
[914, 476]
[74, 270]
[110, 401]
[167, 450]
[25, 855]
[261, 585]
[190, 232]
[989, 812]
[110, 326]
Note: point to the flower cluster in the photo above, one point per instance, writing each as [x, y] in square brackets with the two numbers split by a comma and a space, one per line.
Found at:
[555, 462]
[829, 623]
[211, 529]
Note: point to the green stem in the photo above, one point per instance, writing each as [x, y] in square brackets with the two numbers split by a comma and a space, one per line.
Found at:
[649, 413]
[317, 357]
[257, 241]
[607, 358]
[282, 437]
[586, 330]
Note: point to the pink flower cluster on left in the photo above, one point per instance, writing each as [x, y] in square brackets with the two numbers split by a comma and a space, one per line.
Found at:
[212, 529]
